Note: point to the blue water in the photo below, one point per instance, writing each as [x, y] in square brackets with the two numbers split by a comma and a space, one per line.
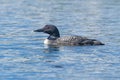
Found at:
[23, 56]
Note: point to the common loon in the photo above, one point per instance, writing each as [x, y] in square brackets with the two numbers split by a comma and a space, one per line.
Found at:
[55, 39]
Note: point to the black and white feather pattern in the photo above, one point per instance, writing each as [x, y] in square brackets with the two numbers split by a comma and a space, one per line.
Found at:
[77, 40]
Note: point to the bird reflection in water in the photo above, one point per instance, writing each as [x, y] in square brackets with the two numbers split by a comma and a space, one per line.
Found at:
[51, 48]
[52, 57]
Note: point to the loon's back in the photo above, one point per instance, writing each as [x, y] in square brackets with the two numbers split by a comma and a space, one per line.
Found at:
[77, 40]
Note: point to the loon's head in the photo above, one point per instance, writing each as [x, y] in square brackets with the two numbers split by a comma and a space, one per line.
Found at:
[49, 29]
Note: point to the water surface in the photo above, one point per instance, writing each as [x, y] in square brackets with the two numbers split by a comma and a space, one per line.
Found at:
[23, 56]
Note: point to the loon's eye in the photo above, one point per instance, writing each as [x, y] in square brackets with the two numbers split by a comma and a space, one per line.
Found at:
[47, 27]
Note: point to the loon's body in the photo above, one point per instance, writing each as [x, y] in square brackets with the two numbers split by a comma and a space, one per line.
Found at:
[55, 39]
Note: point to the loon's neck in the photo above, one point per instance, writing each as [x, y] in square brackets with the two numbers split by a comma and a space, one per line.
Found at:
[51, 40]
[51, 37]
[54, 36]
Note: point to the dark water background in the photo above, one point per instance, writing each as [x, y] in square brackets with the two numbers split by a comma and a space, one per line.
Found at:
[23, 56]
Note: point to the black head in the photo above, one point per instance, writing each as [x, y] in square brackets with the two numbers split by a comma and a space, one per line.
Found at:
[49, 29]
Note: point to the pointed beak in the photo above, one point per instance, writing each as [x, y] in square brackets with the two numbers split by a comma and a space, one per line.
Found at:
[39, 30]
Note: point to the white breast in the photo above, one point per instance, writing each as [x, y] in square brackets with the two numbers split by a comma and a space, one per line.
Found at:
[51, 42]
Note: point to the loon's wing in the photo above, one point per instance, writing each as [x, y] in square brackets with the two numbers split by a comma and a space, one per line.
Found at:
[70, 40]
[77, 40]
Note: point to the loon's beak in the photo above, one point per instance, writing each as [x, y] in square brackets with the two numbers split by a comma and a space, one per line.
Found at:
[39, 30]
